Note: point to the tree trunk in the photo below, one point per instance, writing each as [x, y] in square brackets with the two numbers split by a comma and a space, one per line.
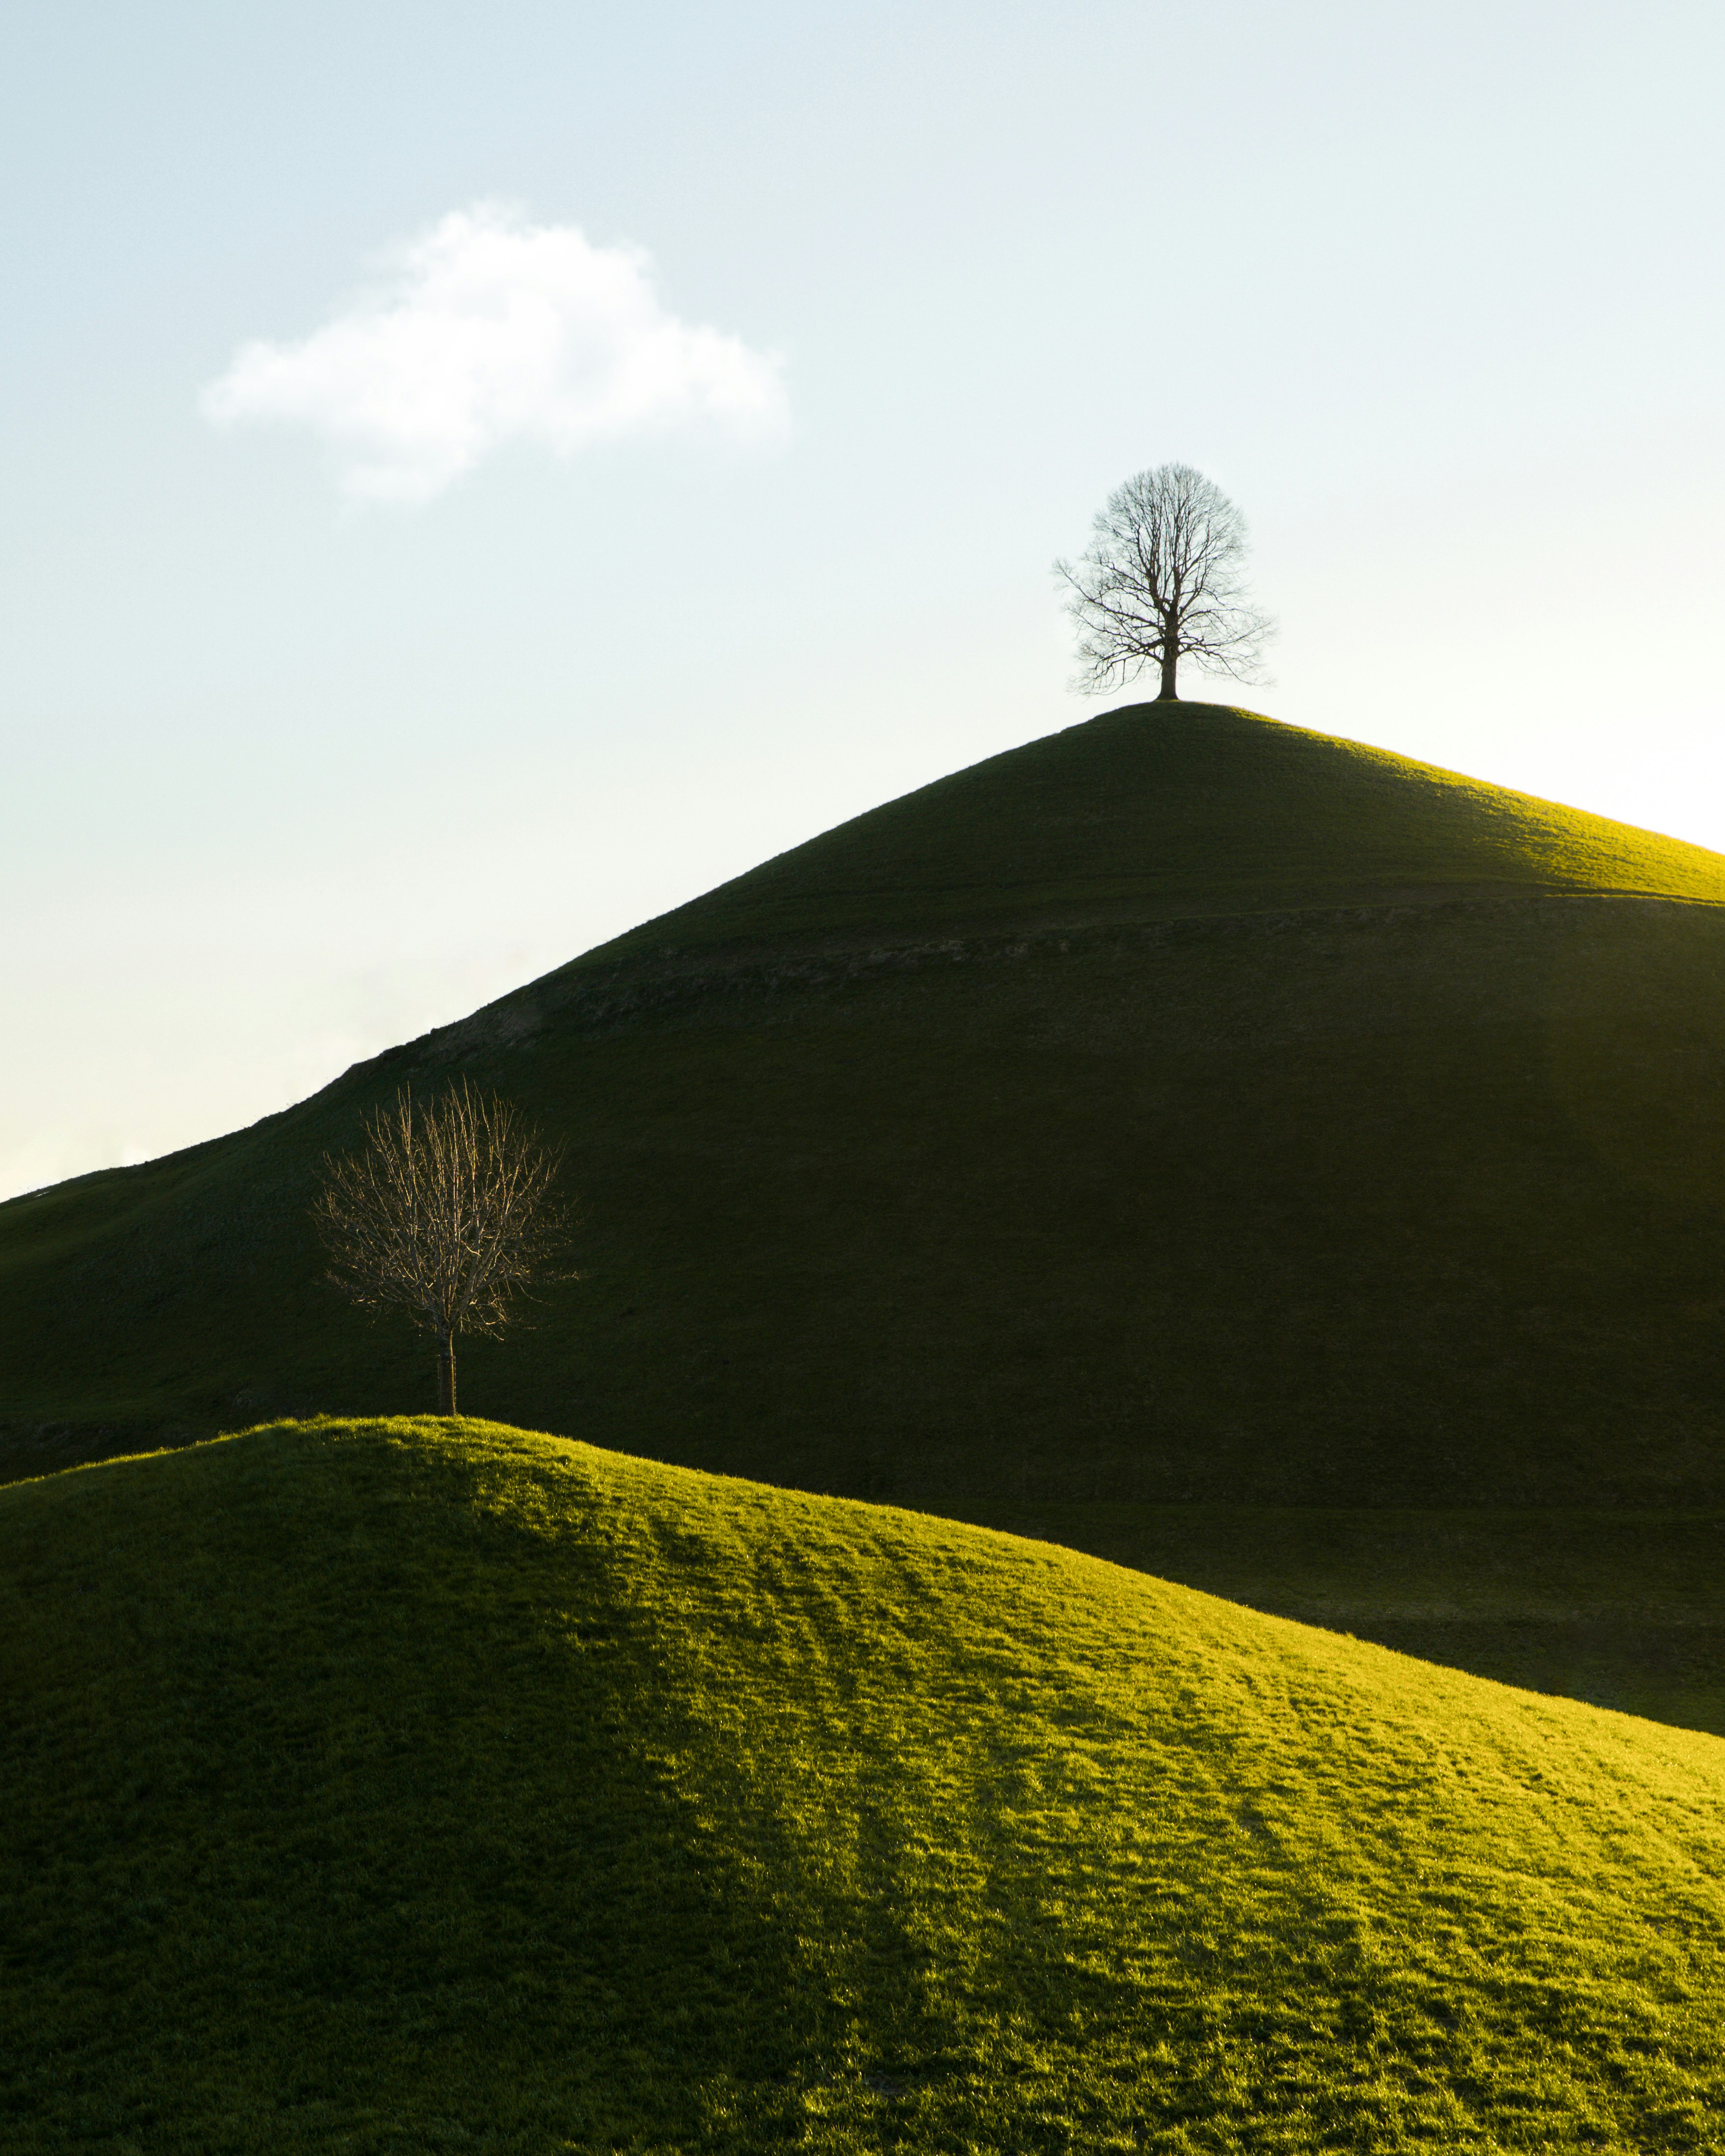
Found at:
[1170, 659]
[445, 1375]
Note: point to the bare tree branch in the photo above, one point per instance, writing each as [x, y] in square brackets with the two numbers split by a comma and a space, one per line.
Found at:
[1163, 579]
[446, 1211]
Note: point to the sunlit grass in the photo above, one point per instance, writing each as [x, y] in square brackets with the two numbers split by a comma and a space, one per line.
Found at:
[419, 1786]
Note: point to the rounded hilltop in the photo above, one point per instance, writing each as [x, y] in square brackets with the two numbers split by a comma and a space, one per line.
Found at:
[1162, 809]
[435, 1785]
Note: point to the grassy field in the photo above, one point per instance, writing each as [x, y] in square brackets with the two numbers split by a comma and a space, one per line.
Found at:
[1210, 1143]
[437, 1787]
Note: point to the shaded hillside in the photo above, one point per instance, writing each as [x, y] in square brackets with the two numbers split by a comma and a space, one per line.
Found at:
[1159, 810]
[1065, 1189]
[438, 1786]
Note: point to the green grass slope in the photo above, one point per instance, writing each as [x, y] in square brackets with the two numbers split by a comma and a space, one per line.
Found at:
[1229, 1149]
[1160, 810]
[438, 1787]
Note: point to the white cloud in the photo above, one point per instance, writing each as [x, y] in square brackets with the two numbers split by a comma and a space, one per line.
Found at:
[490, 330]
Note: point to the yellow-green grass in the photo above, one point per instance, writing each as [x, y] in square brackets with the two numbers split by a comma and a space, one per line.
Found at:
[1617, 1607]
[418, 1786]
[1185, 1120]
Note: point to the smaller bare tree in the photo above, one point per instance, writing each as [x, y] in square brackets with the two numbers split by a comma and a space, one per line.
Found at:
[446, 1211]
[1162, 580]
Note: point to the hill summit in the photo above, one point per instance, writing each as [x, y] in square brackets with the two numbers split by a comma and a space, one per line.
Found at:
[1163, 810]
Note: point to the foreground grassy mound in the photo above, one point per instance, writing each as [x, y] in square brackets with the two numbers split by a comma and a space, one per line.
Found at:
[436, 1787]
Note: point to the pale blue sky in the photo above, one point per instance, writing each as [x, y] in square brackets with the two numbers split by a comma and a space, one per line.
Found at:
[1433, 292]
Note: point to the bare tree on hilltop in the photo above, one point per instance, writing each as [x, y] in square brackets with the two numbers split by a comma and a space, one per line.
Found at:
[445, 1212]
[1162, 580]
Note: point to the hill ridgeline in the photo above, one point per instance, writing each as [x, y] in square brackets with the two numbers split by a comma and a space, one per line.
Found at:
[1157, 811]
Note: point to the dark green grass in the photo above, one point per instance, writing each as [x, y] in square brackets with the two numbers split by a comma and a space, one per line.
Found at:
[1123, 1201]
[437, 1787]
[1162, 809]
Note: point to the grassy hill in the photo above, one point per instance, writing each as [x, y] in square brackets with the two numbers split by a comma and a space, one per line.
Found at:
[426, 1786]
[1243, 1152]
[1159, 810]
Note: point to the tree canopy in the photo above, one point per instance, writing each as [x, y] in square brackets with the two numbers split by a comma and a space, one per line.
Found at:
[1163, 579]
